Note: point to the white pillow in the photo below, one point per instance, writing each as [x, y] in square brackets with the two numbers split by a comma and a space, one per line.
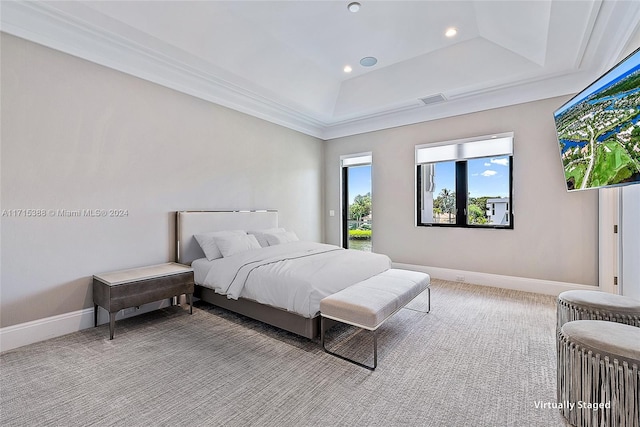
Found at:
[260, 235]
[234, 244]
[278, 238]
[207, 242]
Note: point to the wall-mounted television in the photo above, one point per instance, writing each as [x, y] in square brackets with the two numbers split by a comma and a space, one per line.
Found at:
[598, 130]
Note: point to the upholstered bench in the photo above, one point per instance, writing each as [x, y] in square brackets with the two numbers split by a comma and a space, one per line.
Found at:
[598, 373]
[369, 303]
[596, 305]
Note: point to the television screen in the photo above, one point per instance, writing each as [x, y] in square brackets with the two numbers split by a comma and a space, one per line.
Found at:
[598, 130]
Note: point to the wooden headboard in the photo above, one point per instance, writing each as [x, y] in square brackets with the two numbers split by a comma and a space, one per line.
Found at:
[190, 223]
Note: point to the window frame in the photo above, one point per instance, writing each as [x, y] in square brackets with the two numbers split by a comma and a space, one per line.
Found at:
[347, 161]
[461, 186]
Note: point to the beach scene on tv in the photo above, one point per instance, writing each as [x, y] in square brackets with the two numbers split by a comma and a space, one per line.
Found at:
[598, 130]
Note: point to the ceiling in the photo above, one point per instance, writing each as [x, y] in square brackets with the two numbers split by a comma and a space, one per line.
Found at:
[283, 61]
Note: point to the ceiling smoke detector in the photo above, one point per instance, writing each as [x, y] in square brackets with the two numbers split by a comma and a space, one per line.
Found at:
[433, 99]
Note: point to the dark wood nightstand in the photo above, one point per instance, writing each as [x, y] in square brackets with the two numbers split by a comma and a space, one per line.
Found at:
[118, 290]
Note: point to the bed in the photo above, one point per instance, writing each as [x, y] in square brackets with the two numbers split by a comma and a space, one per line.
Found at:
[279, 283]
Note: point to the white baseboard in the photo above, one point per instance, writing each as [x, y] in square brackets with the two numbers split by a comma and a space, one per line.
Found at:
[539, 286]
[51, 327]
[39, 330]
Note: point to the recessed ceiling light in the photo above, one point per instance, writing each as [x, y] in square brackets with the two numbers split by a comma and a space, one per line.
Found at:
[451, 32]
[354, 7]
[347, 69]
[368, 61]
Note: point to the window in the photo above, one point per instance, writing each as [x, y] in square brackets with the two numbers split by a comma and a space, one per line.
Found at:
[465, 183]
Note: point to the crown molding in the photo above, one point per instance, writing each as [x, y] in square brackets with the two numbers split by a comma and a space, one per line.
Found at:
[123, 48]
[50, 27]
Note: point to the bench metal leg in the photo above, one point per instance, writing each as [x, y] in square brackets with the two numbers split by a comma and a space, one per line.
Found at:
[428, 295]
[375, 349]
[428, 299]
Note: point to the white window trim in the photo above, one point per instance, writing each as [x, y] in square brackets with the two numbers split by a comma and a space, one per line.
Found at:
[356, 159]
[466, 148]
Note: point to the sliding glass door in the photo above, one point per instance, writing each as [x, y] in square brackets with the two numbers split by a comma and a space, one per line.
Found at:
[356, 202]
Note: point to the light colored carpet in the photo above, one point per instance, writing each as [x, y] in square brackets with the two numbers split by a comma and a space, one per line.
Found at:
[482, 357]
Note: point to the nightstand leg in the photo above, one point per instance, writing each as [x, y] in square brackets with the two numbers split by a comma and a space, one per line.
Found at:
[112, 324]
[190, 299]
[95, 315]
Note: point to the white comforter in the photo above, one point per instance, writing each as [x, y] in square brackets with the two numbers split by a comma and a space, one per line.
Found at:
[294, 276]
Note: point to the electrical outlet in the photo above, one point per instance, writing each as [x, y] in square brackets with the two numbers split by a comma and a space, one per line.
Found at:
[459, 278]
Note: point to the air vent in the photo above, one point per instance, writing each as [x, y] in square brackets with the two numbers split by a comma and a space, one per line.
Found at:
[433, 99]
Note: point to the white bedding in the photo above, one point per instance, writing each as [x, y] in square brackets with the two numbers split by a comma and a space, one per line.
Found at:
[294, 276]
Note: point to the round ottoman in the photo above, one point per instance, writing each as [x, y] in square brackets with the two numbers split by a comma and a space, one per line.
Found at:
[598, 376]
[596, 305]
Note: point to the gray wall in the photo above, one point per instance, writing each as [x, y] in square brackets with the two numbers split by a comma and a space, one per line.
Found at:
[76, 135]
[555, 235]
